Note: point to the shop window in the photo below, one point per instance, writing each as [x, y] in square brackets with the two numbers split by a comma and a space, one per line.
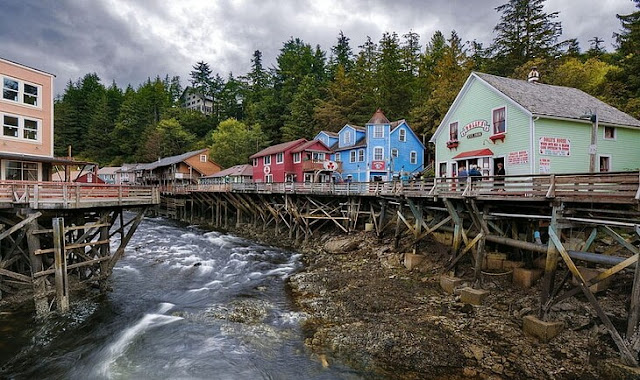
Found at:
[21, 171]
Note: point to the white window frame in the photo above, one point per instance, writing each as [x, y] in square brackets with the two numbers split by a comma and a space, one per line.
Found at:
[255, 162]
[337, 157]
[360, 155]
[21, 92]
[346, 137]
[378, 131]
[203, 158]
[378, 153]
[297, 157]
[353, 156]
[268, 178]
[5, 168]
[402, 135]
[493, 128]
[21, 128]
[604, 133]
[279, 158]
[266, 160]
[457, 131]
[413, 157]
[394, 153]
[610, 161]
[318, 156]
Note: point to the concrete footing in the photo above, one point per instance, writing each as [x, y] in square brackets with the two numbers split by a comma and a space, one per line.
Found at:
[525, 278]
[494, 261]
[544, 331]
[449, 283]
[473, 296]
[411, 260]
[588, 274]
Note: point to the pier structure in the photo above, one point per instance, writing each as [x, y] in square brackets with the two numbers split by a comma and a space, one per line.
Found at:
[58, 236]
[542, 225]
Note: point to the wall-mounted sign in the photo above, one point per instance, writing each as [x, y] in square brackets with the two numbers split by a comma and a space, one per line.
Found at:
[545, 165]
[266, 169]
[474, 135]
[377, 165]
[329, 165]
[473, 125]
[555, 146]
[520, 157]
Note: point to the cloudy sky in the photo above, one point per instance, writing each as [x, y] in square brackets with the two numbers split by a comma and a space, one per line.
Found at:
[128, 41]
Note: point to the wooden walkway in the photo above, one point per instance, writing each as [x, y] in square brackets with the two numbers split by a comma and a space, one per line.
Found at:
[65, 195]
[622, 187]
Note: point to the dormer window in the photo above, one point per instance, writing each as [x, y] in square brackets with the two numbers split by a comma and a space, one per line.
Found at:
[203, 158]
[402, 135]
[378, 131]
[499, 120]
[347, 138]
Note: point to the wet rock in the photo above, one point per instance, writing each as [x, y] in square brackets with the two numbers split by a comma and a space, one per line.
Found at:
[341, 245]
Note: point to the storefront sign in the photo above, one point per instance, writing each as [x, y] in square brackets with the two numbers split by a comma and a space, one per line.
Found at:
[555, 146]
[545, 166]
[474, 135]
[377, 165]
[518, 158]
[473, 125]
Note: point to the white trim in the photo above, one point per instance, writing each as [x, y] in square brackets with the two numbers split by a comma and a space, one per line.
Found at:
[586, 121]
[400, 135]
[446, 169]
[609, 156]
[465, 88]
[457, 130]
[404, 122]
[299, 154]
[532, 149]
[364, 156]
[27, 67]
[416, 156]
[20, 101]
[21, 119]
[337, 157]
[279, 158]
[373, 156]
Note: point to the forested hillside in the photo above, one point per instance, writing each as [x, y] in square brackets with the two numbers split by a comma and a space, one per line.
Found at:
[309, 89]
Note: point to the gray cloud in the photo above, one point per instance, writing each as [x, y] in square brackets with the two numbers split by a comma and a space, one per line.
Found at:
[129, 41]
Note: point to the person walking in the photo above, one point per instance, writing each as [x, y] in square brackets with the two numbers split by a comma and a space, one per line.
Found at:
[462, 177]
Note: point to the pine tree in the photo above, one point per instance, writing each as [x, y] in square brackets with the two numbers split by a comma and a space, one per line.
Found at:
[201, 78]
[340, 105]
[525, 31]
[364, 77]
[300, 122]
[341, 55]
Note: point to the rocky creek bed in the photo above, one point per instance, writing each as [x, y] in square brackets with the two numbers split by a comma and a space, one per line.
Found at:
[366, 309]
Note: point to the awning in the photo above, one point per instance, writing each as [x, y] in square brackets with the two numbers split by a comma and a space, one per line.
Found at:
[52, 160]
[474, 153]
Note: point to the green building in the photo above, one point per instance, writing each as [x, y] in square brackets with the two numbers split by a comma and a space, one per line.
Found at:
[532, 127]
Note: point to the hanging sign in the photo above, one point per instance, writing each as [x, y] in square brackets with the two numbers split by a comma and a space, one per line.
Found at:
[555, 146]
[518, 158]
[483, 124]
[329, 165]
[266, 169]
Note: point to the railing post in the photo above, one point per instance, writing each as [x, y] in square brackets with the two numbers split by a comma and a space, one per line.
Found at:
[119, 195]
[77, 195]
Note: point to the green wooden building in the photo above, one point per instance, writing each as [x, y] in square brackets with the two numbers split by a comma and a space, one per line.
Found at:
[532, 127]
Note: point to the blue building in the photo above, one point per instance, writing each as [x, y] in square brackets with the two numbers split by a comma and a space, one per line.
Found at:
[379, 151]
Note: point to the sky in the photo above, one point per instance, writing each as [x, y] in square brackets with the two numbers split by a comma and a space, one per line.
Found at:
[128, 41]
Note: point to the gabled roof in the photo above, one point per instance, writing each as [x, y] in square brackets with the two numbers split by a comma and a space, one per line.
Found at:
[378, 118]
[166, 161]
[278, 148]
[309, 144]
[234, 171]
[109, 170]
[330, 134]
[359, 144]
[557, 101]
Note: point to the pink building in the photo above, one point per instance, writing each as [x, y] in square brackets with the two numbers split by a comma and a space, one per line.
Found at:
[26, 114]
[294, 161]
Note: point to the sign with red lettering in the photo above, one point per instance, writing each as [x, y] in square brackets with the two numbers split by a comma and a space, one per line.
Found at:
[520, 157]
[473, 125]
[377, 165]
[545, 165]
[329, 165]
[555, 146]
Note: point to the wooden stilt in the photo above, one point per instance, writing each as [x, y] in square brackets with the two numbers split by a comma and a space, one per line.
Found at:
[551, 262]
[60, 260]
[39, 285]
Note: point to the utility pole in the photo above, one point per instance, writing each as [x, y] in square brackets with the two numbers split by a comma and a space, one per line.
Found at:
[593, 148]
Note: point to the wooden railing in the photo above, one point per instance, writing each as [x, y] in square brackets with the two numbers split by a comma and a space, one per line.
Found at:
[73, 195]
[619, 187]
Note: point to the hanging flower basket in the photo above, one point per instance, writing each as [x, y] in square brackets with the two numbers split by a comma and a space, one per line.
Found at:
[452, 144]
[497, 136]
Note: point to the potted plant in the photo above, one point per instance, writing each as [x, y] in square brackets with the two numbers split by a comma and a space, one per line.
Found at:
[452, 144]
[497, 136]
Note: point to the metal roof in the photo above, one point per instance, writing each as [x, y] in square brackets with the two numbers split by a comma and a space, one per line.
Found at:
[166, 161]
[278, 148]
[234, 171]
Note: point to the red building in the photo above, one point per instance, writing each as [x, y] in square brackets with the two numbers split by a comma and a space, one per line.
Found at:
[294, 161]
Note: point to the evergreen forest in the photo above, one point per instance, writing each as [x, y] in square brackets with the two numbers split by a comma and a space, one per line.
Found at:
[309, 89]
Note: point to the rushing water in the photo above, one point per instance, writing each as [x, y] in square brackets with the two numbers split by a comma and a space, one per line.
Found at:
[186, 304]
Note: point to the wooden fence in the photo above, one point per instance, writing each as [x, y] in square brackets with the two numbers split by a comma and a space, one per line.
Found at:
[74, 195]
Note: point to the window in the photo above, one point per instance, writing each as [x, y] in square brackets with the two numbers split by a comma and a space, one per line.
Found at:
[609, 133]
[317, 157]
[394, 153]
[499, 121]
[338, 158]
[402, 135]
[413, 157]
[266, 160]
[378, 153]
[453, 131]
[203, 158]
[15, 90]
[352, 156]
[21, 171]
[10, 126]
[30, 130]
[378, 132]
[360, 155]
[255, 162]
[279, 158]
[297, 157]
[346, 139]
[442, 169]
[605, 163]
[268, 178]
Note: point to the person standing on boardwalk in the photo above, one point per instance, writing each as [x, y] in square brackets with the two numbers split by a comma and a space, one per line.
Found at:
[500, 173]
[462, 177]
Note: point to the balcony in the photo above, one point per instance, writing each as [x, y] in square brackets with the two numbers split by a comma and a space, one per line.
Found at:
[312, 166]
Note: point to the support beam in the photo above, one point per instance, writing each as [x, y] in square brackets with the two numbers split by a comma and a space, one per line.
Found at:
[60, 262]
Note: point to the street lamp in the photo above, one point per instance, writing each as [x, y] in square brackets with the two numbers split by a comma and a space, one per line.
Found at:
[593, 147]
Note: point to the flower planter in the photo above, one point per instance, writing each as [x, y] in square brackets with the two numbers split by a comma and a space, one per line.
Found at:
[499, 136]
[452, 144]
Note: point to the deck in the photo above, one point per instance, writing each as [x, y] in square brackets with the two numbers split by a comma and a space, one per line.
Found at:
[74, 195]
[620, 187]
